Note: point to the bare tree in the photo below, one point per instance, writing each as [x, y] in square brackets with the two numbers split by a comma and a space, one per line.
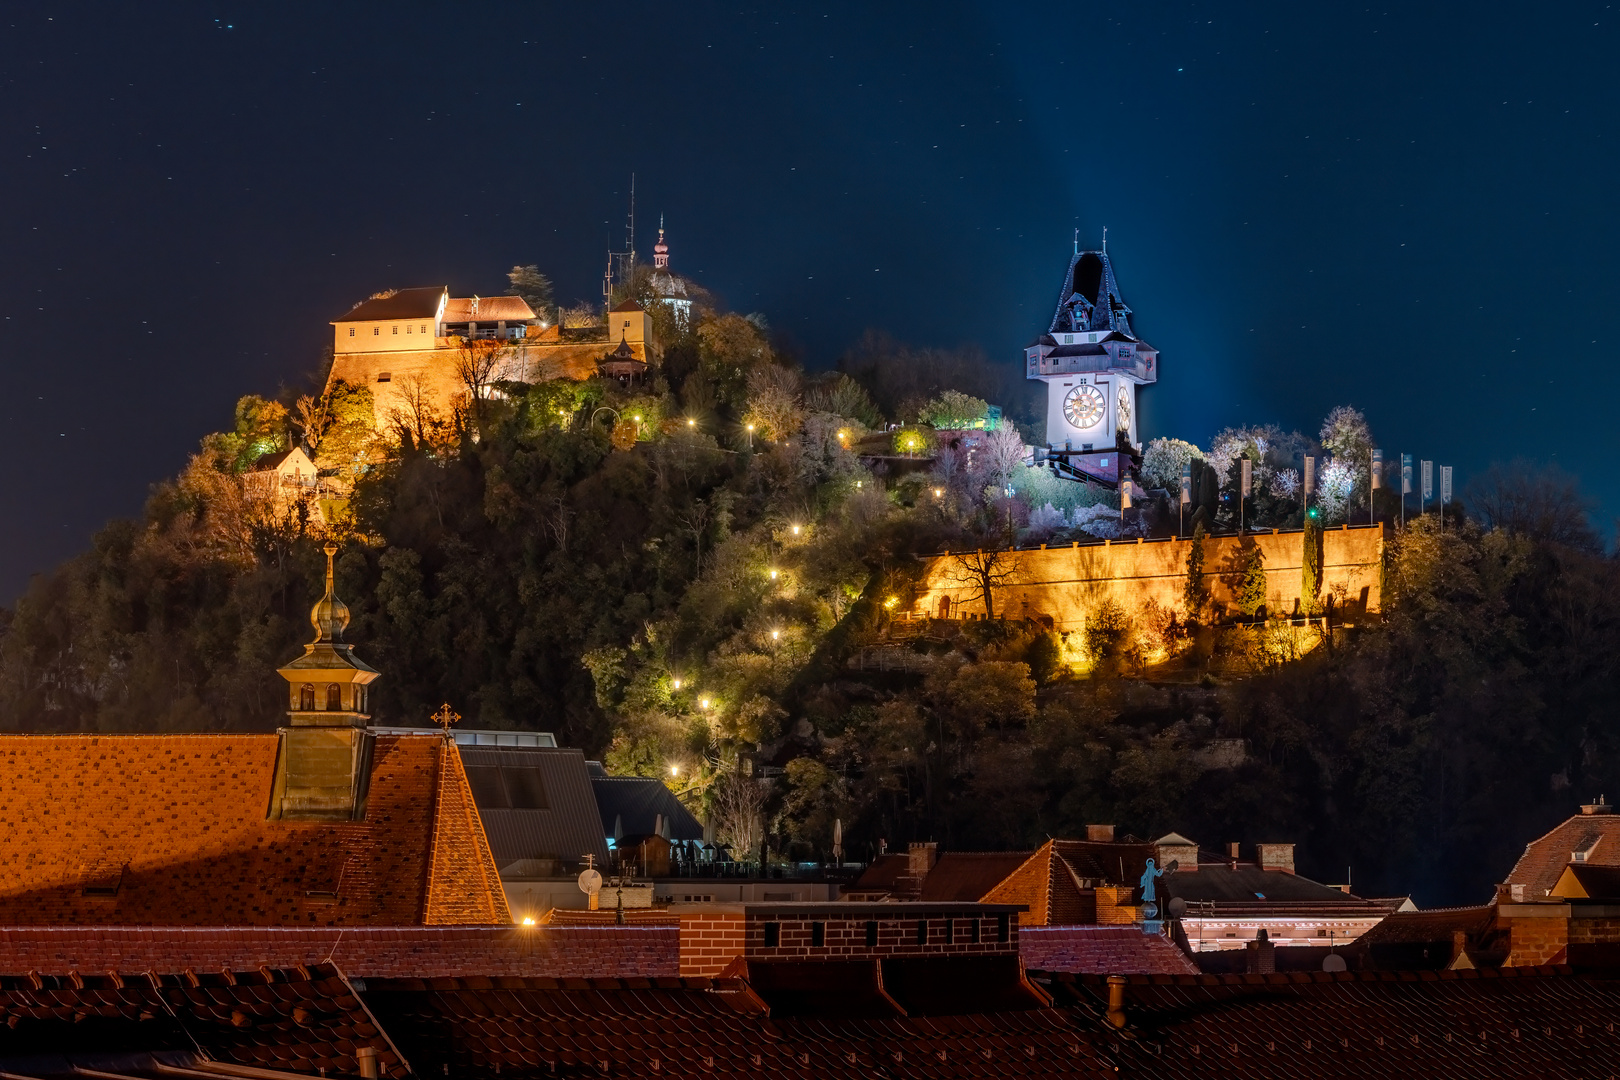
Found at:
[312, 415]
[982, 573]
[739, 812]
[480, 362]
[1003, 452]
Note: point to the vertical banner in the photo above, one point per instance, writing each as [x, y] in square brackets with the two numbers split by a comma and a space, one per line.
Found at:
[1428, 480]
[1445, 484]
[1124, 494]
[1406, 474]
[1377, 470]
[1310, 480]
[1248, 476]
[1186, 483]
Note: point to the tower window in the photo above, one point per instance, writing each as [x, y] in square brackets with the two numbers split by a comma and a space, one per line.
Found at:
[376, 331]
[351, 331]
[334, 697]
[306, 698]
[384, 376]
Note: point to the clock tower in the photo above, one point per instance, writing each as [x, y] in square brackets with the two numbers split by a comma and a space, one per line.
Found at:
[1092, 363]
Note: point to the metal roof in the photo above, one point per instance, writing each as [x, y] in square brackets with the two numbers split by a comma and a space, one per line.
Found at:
[635, 802]
[505, 782]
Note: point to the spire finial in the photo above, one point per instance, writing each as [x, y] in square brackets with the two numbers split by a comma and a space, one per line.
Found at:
[1077, 241]
[329, 616]
[1105, 239]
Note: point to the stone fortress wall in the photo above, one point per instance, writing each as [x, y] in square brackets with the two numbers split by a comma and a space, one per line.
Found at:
[1066, 583]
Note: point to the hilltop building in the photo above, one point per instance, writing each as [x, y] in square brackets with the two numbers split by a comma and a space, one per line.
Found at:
[405, 344]
[1092, 363]
[668, 287]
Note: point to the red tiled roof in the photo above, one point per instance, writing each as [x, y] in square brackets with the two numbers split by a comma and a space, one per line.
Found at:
[171, 830]
[1047, 885]
[882, 873]
[420, 303]
[459, 309]
[1101, 950]
[1522, 1022]
[463, 885]
[970, 875]
[1544, 859]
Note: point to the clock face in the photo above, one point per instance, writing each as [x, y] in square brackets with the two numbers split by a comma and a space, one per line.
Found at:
[1083, 407]
[1124, 410]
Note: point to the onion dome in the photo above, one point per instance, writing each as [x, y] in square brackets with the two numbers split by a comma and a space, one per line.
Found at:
[329, 616]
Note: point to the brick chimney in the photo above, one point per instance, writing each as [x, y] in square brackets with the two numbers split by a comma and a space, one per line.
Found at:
[1277, 857]
[1261, 955]
[1102, 834]
[1600, 807]
[920, 860]
[1234, 851]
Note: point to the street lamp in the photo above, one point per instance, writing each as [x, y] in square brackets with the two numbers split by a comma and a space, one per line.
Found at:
[750, 436]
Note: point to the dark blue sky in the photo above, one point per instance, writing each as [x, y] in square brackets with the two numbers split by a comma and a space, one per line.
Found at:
[1411, 210]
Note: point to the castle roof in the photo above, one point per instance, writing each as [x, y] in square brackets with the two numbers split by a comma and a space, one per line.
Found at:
[628, 305]
[420, 303]
[172, 830]
[460, 309]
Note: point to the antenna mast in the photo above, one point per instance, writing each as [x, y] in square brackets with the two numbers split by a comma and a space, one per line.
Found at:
[621, 264]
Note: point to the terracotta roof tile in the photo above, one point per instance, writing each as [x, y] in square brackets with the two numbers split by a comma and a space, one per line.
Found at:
[459, 309]
[171, 830]
[1544, 859]
[1101, 950]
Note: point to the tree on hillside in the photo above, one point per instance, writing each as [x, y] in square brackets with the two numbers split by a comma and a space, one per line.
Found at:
[1542, 502]
[839, 394]
[729, 348]
[953, 409]
[1346, 436]
[1251, 591]
[774, 409]
[1194, 592]
[479, 363]
[1310, 570]
[982, 572]
[533, 288]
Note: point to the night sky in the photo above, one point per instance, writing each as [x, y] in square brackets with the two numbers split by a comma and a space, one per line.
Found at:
[1411, 211]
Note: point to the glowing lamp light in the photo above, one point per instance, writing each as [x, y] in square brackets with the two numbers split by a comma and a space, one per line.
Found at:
[776, 635]
[703, 703]
[674, 770]
[528, 920]
[637, 419]
[795, 530]
[690, 422]
[773, 575]
[938, 492]
[750, 427]
[676, 683]
[891, 601]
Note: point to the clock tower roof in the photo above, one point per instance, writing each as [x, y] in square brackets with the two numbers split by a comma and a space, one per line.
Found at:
[1089, 299]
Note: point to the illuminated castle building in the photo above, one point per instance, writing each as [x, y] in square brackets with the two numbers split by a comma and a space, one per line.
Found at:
[1092, 362]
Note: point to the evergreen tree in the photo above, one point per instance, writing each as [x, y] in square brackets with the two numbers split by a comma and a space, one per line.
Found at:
[1310, 571]
[1252, 592]
[1195, 594]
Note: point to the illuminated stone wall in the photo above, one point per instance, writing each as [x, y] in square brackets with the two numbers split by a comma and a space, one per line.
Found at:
[1065, 583]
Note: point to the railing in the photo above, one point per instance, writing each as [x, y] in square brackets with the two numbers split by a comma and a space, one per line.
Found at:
[1077, 365]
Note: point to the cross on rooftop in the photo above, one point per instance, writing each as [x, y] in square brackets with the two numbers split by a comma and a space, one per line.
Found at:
[445, 717]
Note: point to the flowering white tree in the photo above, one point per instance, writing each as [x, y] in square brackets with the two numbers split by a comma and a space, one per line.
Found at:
[1163, 460]
[1334, 486]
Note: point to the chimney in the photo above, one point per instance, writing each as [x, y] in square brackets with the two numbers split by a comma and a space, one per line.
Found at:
[1233, 851]
[1600, 807]
[1277, 857]
[1261, 955]
[1116, 1000]
[1101, 834]
[923, 857]
[367, 1057]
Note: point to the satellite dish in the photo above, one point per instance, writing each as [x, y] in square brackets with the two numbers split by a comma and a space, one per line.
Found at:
[1177, 907]
[1333, 962]
[590, 882]
[1172, 866]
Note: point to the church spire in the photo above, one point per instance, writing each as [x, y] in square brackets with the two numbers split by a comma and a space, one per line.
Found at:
[661, 249]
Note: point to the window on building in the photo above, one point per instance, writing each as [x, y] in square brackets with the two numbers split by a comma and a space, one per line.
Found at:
[396, 329]
[351, 331]
[773, 935]
[334, 697]
[376, 331]
[359, 699]
[424, 328]
[407, 329]
[306, 698]
[922, 931]
[1003, 928]
[975, 924]
[950, 931]
[384, 376]
[818, 934]
[871, 934]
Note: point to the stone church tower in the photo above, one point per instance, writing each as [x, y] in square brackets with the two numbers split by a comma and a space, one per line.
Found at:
[326, 751]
